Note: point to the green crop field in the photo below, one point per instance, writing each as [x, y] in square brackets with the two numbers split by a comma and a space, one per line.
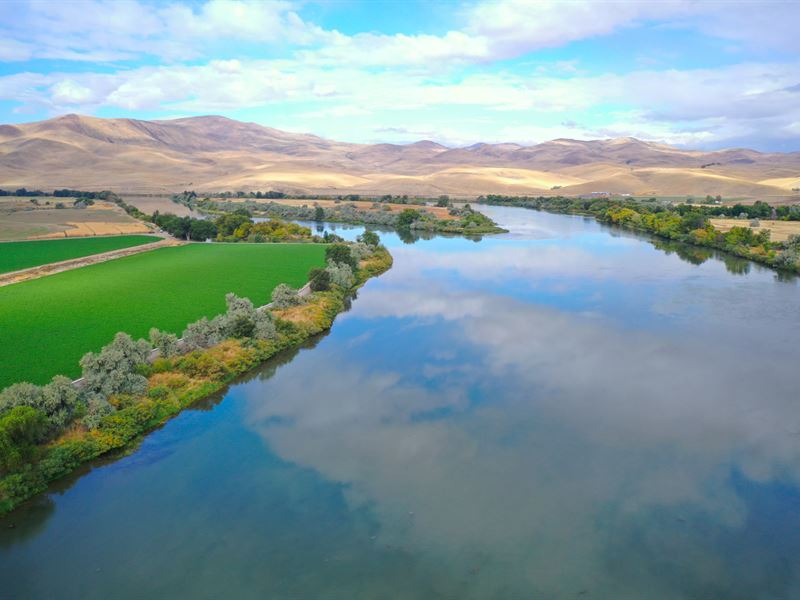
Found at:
[47, 324]
[23, 255]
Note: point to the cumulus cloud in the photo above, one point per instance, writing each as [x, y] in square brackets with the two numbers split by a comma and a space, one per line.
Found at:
[516, 27]
[699, 107]
[322, 76]
[107, 31]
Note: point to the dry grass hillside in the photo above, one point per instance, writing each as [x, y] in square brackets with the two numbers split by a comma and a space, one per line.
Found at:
[216, 154]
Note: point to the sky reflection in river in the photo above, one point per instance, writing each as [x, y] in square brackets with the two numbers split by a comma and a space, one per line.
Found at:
[564, 446]
[552, 413]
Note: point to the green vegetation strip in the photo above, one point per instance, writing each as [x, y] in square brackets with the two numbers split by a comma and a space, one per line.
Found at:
[46, 325]
[15, 256]
[173, 385]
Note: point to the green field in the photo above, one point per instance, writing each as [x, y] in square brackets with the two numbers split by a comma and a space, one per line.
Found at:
[23, 255]
[47, 324]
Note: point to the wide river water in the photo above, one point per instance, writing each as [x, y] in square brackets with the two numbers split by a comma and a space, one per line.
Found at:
[563, 411]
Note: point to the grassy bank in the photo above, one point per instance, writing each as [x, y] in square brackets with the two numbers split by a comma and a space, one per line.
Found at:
[174, 384]
[459, 220]
[46, 325]
[15, 256]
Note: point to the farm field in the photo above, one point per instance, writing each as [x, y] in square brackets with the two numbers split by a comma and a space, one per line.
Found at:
[48, 324]
[23, 255]
[779, 230]
[162, 204]
[20, 220]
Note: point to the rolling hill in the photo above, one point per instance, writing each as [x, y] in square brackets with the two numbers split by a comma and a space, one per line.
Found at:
[216, 154]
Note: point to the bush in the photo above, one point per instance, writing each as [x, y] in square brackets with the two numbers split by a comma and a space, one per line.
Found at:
[57, 401]
[159, 392]
[360, 251]
[20, 394]
[407, 217]
[202, 334]
[113, 369]
[340, 253]
[96, 409]
[787, 259]
[284, 296]
[166, 343]
[239, 319]
[370, 238]
[60, 402]
[319, 279]
[341, 274]
[243, 320]
[21, 429]
[198, 364]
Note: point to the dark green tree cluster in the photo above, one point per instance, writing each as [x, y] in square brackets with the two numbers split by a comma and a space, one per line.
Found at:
[22, 192]
[340, 253]
[186, 228]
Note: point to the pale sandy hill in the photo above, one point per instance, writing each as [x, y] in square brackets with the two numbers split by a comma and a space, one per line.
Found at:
[215, 154]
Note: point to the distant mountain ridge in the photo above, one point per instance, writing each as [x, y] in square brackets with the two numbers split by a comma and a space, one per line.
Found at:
[213, 153]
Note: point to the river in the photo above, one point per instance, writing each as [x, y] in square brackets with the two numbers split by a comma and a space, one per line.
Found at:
[563, 411]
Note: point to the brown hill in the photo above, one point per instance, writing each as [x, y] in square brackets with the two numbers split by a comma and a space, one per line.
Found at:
[215, 154]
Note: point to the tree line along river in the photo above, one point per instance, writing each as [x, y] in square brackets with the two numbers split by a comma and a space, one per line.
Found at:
[563, 411]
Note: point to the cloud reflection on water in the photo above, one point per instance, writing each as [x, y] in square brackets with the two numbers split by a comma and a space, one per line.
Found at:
[558, 451]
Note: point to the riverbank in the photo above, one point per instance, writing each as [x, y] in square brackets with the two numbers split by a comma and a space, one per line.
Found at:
[689, 224]
[461, 220]
[176, 383]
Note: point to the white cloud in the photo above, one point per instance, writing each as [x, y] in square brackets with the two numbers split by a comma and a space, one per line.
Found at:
[67, 92]
[519, 26]
[690, 107]
[407, 79]
[370, 49]
[107, 31]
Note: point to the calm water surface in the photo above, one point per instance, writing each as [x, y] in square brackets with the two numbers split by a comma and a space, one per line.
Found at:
[564, 411]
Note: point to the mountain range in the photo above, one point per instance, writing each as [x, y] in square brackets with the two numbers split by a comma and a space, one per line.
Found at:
[215, 153]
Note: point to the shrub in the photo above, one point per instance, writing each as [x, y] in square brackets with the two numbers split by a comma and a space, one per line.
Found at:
[96, 409]
[239, 320]
[113, 369]
[265, 326]
[159, 365]
[171, 380]
[360, 251]
[340, 253]
[407, 217]
[166, 343]
[20, 430]
[159, 392]
[319, 279]
[787, 259]
[284, 296]
[58, 400]
[341, 275]
[202, 334]
[20, 394]
[370, 238]
[198, 364]
[242, 320]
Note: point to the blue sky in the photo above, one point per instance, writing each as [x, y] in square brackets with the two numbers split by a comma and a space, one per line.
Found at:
[695, 74]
